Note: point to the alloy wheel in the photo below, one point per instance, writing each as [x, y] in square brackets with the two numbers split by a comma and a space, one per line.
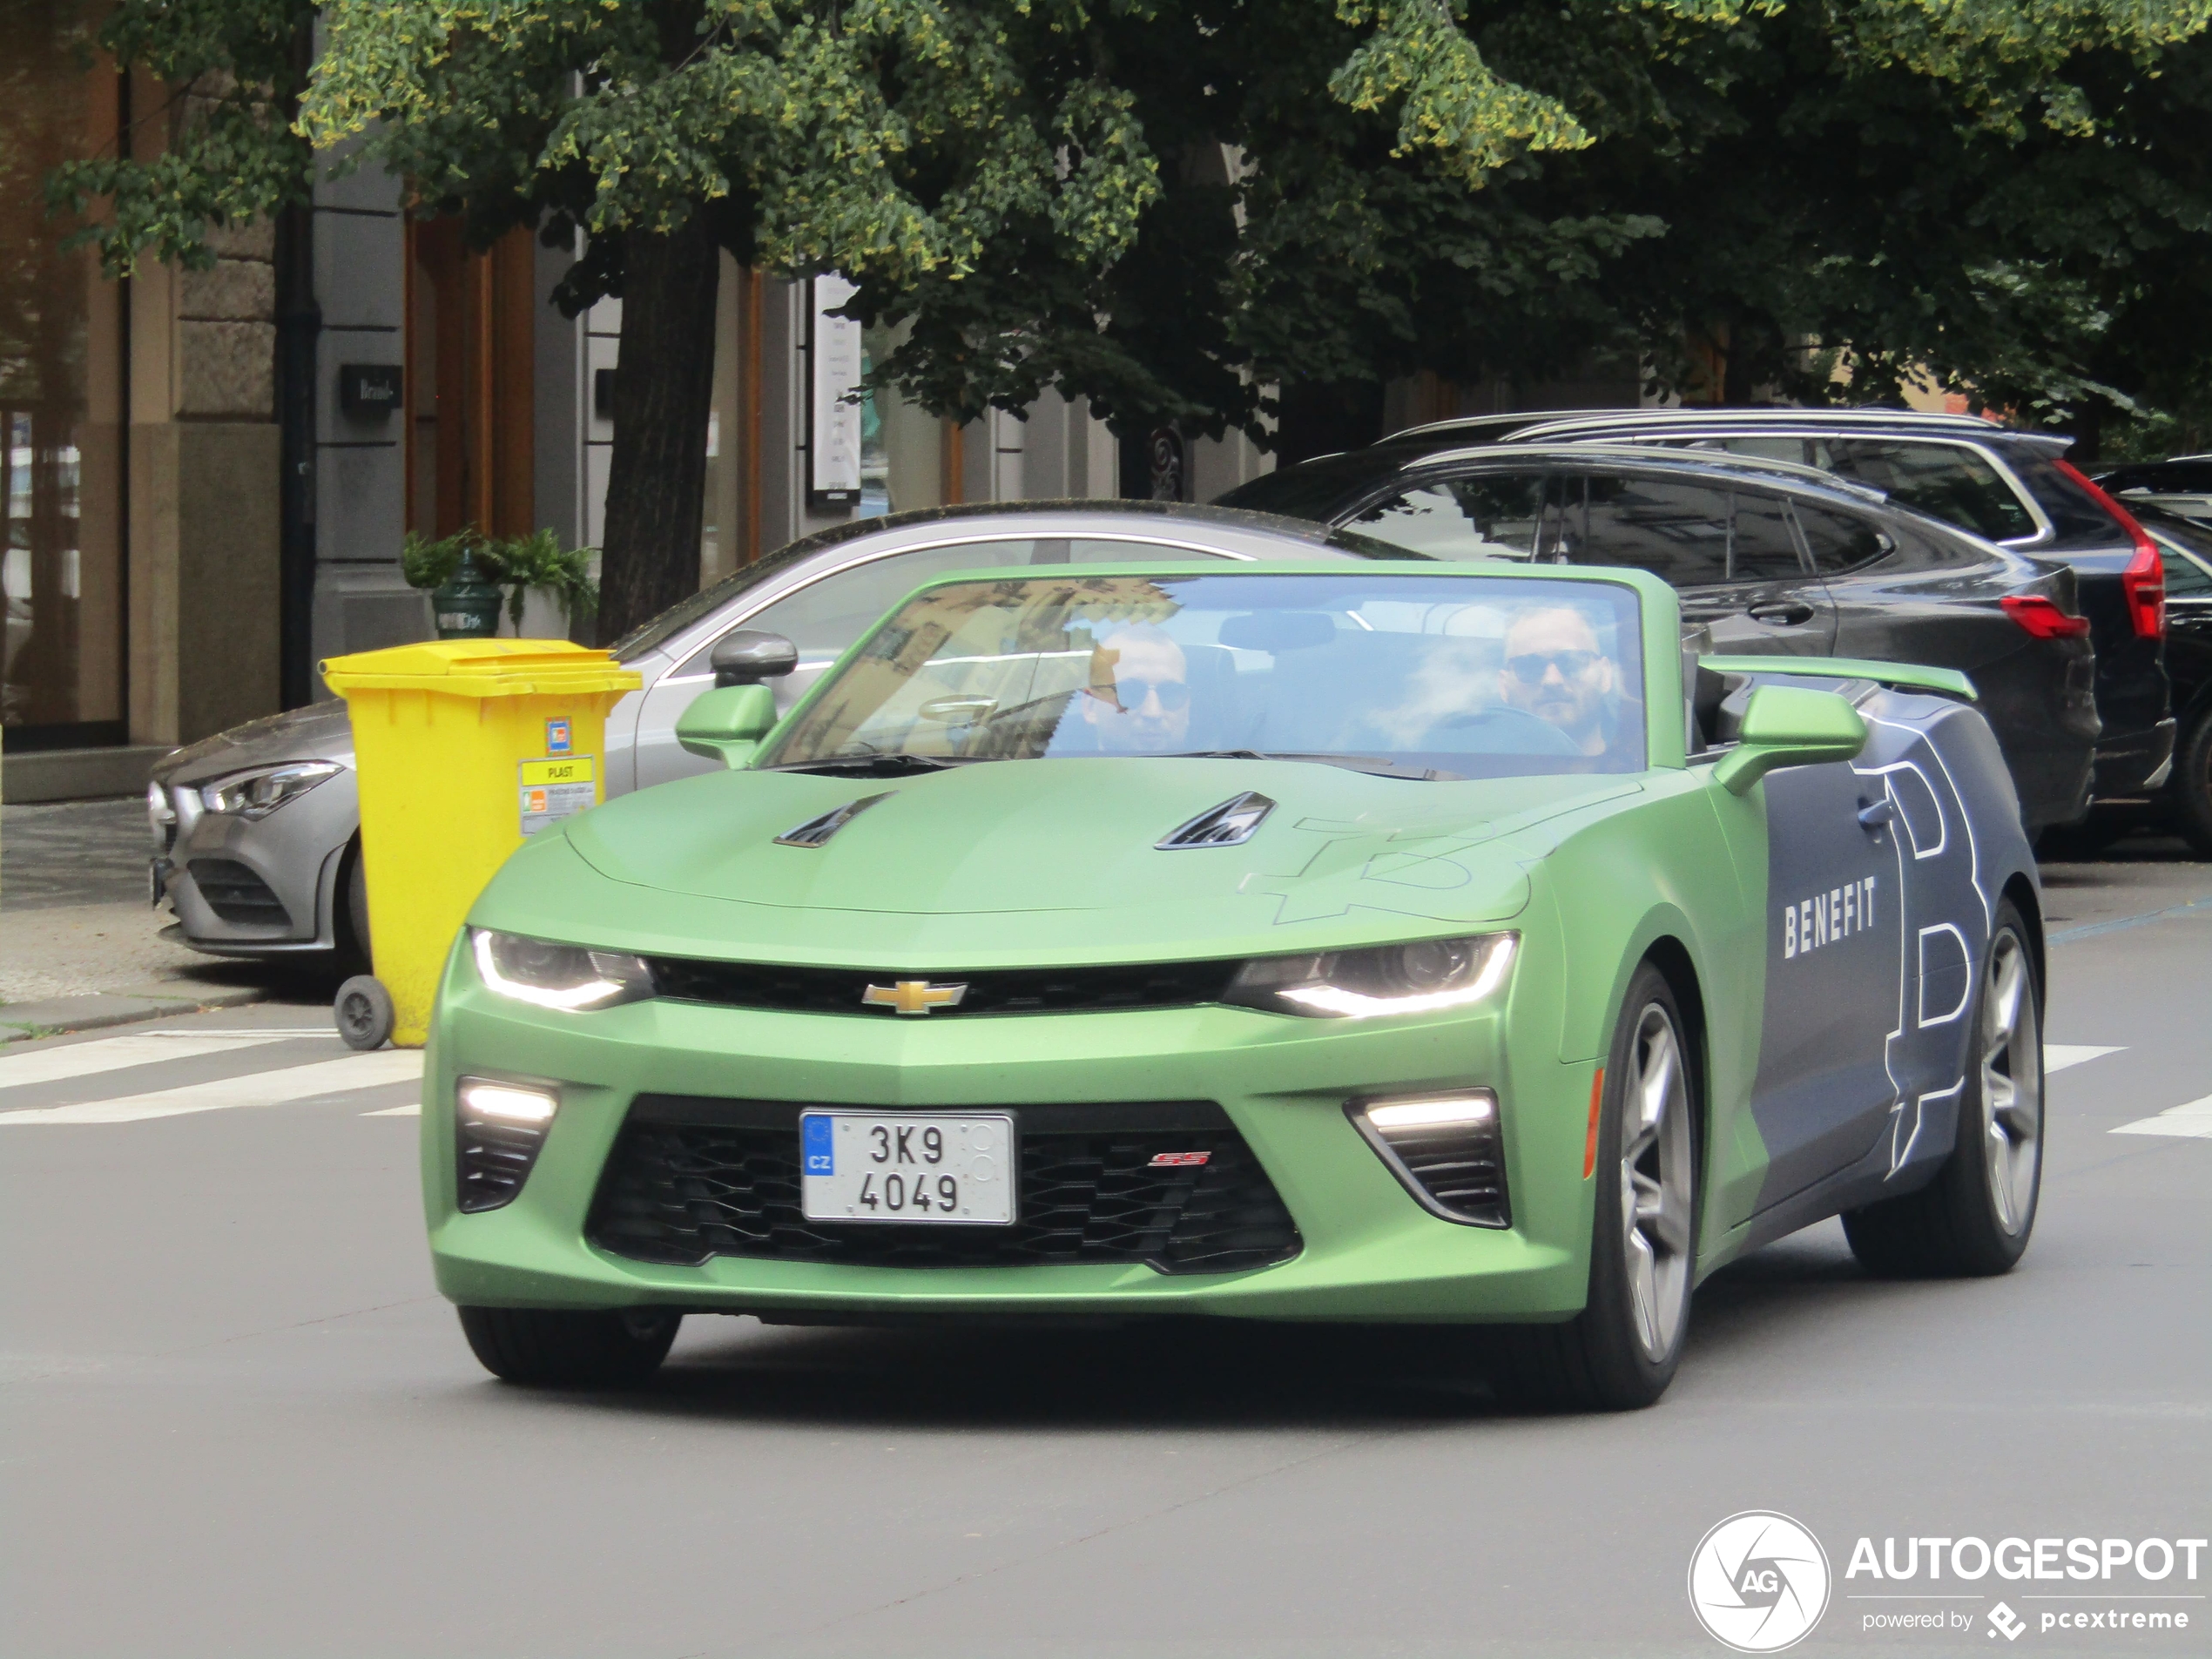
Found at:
[2012, 1083]
[1656, 1182]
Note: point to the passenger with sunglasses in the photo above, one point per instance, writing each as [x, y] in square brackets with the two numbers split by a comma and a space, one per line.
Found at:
[1138, 701]
[1556, 670]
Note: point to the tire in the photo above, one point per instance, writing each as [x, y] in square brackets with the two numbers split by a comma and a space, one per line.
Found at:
[1975, 1218]
[2190, 790]
[1619, 1353]
[351, 923]
[362, 1010]
[540, 1347]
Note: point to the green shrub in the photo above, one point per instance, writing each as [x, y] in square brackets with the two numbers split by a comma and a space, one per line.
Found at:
[516, 563]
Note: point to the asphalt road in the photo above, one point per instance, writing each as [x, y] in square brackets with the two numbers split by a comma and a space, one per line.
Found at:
[239, 1422]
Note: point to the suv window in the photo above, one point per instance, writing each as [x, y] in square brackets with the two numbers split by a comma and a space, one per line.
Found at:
[2185, 577]
[1677, 531]
[1839, 542]
[1944, 481]
[1496, 514]
[1760, 546]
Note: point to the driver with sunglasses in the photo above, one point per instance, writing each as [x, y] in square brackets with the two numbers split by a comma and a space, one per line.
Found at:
[1138, 701]
[1555, 669]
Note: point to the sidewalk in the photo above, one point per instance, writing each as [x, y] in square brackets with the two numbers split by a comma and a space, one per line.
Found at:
[79, 944]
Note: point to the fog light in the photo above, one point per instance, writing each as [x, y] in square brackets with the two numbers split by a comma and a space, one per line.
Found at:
[1447, 1150]
[498, 1129]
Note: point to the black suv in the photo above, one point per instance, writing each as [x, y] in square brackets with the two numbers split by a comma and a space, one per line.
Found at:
[2014, 487]
[1767, 556]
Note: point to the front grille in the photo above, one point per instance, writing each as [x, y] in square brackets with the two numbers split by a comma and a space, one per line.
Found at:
[1019, 990]
[235, 893]
[692, 1178]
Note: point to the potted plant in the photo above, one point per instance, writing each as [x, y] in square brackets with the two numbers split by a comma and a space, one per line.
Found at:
[466, 571]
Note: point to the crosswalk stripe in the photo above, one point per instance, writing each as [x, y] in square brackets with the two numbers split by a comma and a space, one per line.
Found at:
[112, 1054]
[2191, 1121]
[260, 1088]
[2057, 1057]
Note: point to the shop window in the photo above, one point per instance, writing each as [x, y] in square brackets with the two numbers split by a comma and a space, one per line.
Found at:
[61, 405]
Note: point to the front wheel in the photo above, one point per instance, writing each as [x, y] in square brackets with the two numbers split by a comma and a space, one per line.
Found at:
[1974, 1218]
[1621, 1351]
[555, 1348]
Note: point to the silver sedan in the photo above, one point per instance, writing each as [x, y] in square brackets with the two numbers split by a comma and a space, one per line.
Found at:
[257, 830]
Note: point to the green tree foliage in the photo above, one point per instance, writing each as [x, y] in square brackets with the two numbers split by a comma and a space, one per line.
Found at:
[1167, 205]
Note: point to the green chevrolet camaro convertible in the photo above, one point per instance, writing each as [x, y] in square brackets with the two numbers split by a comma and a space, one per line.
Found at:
[1330, 940]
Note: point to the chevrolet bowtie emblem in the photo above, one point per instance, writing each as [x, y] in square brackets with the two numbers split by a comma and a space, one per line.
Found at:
[913, 997]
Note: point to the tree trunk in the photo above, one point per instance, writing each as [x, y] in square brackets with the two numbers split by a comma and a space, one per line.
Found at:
[664, 385]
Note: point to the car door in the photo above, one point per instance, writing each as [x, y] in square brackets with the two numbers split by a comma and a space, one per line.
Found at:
[1728, 551]
[2189, 611]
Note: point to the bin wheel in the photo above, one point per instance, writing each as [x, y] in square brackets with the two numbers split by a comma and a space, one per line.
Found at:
[363, 1011]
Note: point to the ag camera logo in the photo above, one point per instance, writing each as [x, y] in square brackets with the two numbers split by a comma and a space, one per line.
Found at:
[1758, 1582]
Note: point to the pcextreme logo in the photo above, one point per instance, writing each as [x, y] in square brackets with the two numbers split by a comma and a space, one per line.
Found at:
[1758, 1582]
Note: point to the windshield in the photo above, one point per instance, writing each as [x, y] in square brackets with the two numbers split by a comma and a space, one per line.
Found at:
[1410, 676]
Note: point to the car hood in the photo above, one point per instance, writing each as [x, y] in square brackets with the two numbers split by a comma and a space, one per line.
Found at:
[319, 731]
[1039, 862]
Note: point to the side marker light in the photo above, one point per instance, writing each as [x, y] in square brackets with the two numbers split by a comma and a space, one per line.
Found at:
[1589, 1141]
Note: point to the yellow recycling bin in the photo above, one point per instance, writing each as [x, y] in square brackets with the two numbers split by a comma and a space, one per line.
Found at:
[464, 748]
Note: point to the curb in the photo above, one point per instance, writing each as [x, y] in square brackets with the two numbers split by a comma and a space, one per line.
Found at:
[22, 1021]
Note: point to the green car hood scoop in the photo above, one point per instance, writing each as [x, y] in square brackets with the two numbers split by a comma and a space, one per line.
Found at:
[816, 831]
[1049, 860]
[1231, 824]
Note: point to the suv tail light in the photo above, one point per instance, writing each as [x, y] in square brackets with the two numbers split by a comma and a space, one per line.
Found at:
[2042, 618]
[2144, 580]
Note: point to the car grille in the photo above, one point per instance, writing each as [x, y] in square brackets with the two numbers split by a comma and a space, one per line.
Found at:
[692, 1178]
[1021, 990]
[235, 893]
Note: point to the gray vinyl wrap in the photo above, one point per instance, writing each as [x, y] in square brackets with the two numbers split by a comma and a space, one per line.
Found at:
[1876, 937]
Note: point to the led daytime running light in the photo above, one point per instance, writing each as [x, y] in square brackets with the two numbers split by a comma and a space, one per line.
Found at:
[565, 998]
[1335, 999]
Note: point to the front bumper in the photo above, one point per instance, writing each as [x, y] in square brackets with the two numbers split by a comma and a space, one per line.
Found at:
[2135, 764]
[1370, 1251]
[257, 887]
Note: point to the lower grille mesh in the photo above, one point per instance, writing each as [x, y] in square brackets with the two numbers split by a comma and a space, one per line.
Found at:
[681, 1187]
[236, 895]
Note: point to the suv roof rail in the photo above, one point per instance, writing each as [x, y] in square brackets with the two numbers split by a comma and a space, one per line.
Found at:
[1641, 454]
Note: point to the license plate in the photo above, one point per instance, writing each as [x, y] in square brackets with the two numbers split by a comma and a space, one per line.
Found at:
[907, 1167]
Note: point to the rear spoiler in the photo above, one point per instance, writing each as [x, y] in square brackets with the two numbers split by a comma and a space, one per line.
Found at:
[1910, 676]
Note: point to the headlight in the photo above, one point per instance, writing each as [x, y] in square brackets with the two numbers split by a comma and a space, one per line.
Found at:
[256, 794]
[1419, 978]
[558, 976]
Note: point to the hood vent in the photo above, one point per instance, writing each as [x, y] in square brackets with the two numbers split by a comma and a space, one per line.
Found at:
[816, 831]
[1231, 824]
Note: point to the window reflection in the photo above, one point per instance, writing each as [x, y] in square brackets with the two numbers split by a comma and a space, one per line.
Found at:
[61, 678]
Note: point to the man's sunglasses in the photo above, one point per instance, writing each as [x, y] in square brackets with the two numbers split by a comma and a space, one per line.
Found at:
[1129, 694]
[1529, 667]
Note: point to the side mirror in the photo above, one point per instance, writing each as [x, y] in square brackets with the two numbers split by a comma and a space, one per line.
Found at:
[1787, 726]
[728, 723]
[748, 656]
